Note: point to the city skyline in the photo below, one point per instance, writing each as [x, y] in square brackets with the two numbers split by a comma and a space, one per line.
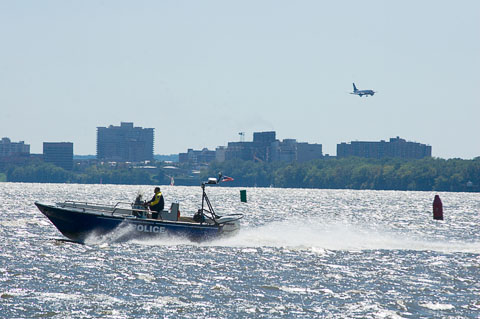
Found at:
[138, 129]
[200, 73]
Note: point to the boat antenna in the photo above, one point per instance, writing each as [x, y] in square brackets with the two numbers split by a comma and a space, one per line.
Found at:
[205, 200]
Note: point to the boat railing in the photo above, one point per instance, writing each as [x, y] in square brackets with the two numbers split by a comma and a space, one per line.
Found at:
[120, 208]
[126, 203]
[78, 204]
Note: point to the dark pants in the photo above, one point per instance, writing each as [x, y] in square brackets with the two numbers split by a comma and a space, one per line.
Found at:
[155, 214]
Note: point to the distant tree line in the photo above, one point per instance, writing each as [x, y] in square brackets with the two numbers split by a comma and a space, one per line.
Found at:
[428, 174]
[356, 173]
[40, 172]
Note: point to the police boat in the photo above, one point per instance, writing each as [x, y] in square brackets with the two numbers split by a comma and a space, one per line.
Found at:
[78, 221]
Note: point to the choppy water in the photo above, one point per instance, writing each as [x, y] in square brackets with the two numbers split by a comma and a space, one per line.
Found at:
[300, 254]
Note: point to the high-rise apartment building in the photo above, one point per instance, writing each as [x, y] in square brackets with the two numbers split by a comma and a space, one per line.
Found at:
[59, 154]
[124, 143]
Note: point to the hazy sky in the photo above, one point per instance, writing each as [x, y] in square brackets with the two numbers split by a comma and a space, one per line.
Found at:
[200, 72]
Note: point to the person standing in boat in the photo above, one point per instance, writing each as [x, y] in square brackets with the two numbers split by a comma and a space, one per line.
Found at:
[157, 203]
[138, 206]
[437, 208]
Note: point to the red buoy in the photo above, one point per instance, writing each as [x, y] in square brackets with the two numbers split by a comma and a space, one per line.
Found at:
[437, 208]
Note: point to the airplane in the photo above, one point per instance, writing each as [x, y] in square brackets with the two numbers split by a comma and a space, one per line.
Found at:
[362, 92]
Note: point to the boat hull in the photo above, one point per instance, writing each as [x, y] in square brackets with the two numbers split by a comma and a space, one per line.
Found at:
[78, 225]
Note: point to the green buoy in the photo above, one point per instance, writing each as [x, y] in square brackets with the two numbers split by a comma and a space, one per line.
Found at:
[243, 196]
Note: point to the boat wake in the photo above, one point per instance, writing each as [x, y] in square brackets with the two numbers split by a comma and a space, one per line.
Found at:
[120, 234]
[311, 236]
[339, 236]
[123, 232]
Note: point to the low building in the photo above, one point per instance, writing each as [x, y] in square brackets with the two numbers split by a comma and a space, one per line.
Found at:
[396, 147]
[307, 152]
[289, 150]
[13, 153]
[9, 148]
[193, 157]
[239, 150]
[284, 151]
[264, 148]
[257, 150]
[220, 154]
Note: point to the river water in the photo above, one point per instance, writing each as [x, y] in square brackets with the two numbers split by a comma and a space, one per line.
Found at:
[301, 253]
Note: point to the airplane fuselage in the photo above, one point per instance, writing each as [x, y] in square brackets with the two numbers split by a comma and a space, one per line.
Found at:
[362, 92]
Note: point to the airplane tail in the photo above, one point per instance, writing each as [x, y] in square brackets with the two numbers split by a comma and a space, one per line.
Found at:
[354, 88]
